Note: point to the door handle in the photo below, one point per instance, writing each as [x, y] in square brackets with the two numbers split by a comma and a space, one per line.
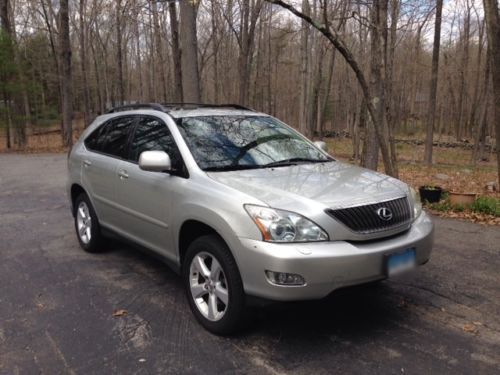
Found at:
[87, 163]
[122, 174]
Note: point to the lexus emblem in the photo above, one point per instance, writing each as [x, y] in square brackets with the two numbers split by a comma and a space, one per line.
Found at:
[384, 213]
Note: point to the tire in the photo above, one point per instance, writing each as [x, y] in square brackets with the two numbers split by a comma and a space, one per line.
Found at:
[220, 302]
[88, 230]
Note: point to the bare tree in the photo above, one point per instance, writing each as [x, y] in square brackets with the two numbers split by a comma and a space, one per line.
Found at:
[378, 43]
[429, 138]
[176, 51]
[249, 15]
[119, 51]
[346, 53]
[304, 70]
[354, 66]
[492, 17]
[6, 30]
[66, 78]
[83, 62]
[189, 47]
[159, 50]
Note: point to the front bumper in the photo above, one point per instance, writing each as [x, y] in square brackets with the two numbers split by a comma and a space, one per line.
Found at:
[325, 266]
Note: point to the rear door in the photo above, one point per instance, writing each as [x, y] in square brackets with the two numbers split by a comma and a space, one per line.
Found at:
[107, 146]
[145, 198]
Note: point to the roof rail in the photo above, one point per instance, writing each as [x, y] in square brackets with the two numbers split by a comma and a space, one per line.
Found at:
[166, 107]
[170, 106]
[130, 107]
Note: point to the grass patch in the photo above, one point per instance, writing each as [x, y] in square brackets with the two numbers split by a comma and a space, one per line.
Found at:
[483, 205]
[487, 205]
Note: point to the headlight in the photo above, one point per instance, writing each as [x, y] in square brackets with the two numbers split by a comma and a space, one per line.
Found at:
[417, 205]
[284, 226]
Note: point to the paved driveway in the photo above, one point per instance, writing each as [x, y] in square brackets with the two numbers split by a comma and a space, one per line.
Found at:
[57, 304]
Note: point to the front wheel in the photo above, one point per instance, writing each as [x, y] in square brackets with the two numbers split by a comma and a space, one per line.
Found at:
[213, 284]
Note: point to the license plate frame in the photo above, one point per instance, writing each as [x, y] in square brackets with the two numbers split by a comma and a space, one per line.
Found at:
[400, 262]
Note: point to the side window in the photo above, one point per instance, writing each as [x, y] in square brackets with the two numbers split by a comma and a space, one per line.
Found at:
[94, 140]
[152, 134]
[114, 138]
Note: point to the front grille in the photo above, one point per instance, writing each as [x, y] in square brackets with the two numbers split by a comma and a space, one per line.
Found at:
[366, 219]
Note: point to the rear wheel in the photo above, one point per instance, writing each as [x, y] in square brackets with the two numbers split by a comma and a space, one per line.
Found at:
[87, 226]
[213, 284]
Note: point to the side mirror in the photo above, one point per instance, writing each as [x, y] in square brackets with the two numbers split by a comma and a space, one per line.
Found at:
[321, 145]
[155, 161]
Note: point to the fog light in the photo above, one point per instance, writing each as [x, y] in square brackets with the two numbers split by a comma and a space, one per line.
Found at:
[283, 278]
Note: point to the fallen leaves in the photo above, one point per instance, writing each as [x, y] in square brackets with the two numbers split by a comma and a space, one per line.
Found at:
[472, 327]
[468, 215]
[119, 313]
[469, 328]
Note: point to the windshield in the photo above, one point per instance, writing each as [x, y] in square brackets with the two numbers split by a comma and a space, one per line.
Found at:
[244, 142]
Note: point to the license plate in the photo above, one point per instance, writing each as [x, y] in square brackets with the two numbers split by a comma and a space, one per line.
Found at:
[400, 262]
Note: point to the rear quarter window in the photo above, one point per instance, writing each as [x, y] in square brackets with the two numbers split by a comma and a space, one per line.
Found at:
[112, 137]
[93, 141]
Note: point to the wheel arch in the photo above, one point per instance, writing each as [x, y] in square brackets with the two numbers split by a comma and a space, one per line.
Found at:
[76, 190]
[193, 228]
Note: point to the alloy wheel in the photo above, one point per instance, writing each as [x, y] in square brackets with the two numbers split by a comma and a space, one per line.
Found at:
[208, 286]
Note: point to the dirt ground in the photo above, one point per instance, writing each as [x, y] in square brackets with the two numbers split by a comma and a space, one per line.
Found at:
[57, 304]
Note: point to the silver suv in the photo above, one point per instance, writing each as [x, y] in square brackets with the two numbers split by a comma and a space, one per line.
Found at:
[240, 204]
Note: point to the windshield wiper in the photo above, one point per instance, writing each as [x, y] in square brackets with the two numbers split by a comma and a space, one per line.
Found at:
[293, 161]
[226, 168]
[281, 163]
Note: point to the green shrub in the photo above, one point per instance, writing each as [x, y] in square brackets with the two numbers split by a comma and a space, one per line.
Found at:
[487, 205]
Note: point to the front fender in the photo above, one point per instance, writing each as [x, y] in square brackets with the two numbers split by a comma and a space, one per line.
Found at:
[219, 220]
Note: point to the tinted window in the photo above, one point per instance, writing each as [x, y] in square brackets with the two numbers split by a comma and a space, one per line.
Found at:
[115, 135]
[94, 140]
[152, 134]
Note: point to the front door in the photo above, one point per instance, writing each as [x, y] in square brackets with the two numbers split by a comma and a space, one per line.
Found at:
[145, 198]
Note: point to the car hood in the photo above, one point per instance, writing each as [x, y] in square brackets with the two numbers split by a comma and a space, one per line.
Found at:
[303, 187]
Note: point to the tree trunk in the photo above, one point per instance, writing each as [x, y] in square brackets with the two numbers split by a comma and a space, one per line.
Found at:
[391, 100]
[429, 139]
[159, 51]
[189, 56]
[15, 80]
[119, 52]
[6, 31]
[67, 91]
[4, 17]
[83, 64]
[473, 119]
[138, 56]
[176, 52]
[482, 122]
[328, 89]
[304, 69]
[493, 26]
[100, 106]
[379, 28]
[249, 15]
[464, 64]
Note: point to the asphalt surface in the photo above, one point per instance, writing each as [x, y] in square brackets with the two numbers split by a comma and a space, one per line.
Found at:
[57, 304]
